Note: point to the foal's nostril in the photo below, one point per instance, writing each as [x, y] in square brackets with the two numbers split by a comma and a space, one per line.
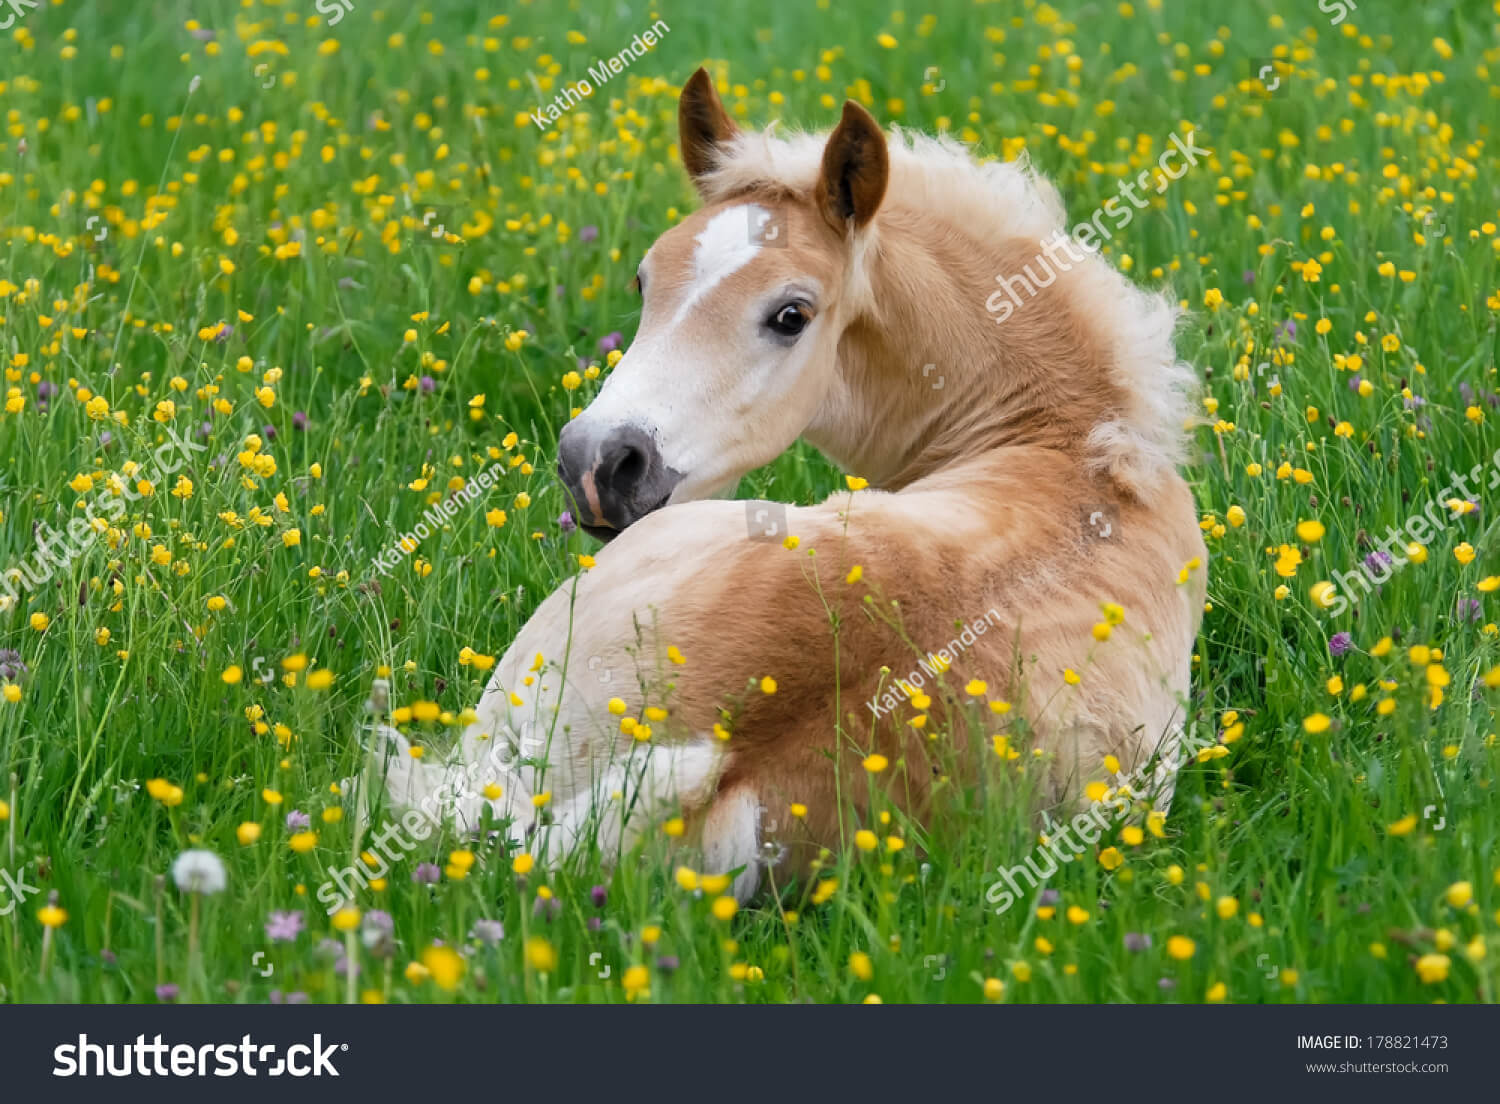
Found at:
[624, 463]
[628, 470]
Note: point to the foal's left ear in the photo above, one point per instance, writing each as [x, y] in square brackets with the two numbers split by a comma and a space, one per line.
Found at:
[856, 167]
[702, 125]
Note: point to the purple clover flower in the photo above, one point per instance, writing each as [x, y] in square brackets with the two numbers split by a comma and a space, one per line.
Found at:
[283, 927]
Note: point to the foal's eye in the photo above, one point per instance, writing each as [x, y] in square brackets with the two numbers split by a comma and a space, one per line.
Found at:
[789, 320]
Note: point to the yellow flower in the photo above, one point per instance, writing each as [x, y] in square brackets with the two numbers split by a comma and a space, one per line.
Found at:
[875, 763]
[994, 989]
[1317, 722]
[636, 981]
[861, 966]
[725, 907]
[1403, 826]
[345, 919]
[1181, 947]
[1077, 916]
[444, 965]
[855, 483]
[1216, 993]
[1464, 553]
[1156, 822]
[522, 863]
[1433, 968]
[51, 916]
[540, 955]
[1310, 531]
[40, 621]
[1110, 858]
[1459, 894]
[865, 840]
[714, 884]
[768, 685]
[1226, 907]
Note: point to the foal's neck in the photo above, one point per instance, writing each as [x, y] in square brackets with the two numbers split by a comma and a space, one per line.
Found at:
[927, 378]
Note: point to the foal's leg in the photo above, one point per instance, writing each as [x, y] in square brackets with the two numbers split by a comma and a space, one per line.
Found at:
[731, 838]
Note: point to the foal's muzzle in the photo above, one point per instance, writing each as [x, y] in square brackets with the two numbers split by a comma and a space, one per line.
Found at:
[613, 480]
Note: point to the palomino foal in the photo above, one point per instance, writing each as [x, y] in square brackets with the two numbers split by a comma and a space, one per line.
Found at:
[833, 287]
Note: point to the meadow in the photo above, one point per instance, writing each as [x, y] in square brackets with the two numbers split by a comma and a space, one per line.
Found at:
[276, 278]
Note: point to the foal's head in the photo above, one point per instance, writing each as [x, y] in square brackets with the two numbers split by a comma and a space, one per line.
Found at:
[742, 308]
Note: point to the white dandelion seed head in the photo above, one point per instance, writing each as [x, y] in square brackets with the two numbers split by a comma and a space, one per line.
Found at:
[199, 872]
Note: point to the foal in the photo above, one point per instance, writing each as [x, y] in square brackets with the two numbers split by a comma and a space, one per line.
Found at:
[833, 287]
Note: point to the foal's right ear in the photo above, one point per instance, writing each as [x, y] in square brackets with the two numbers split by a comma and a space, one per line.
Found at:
[702, 126]
[856, 167]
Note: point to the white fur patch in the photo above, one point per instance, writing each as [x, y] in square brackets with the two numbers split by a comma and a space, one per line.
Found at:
[725, 246]
[731, 839]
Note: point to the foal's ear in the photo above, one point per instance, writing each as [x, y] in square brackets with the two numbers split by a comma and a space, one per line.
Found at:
[702, 125]
[855, 170]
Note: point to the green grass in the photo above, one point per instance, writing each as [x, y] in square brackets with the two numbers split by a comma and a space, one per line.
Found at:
[196, 199]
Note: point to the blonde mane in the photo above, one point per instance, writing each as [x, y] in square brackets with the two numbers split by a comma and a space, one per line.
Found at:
[998, 202]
